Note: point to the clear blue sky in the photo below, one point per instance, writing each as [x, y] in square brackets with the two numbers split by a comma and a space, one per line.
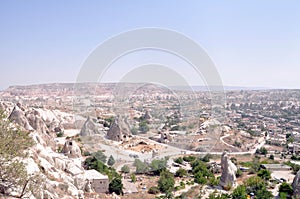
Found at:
[253, 43]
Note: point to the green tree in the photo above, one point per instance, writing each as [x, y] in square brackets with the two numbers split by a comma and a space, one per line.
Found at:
[199, 166]
[157, 166]
[213, 181]
[179, 160]
[262, 151]
[111, 161]
[239, 173]
[254, 183]
[133, 177]
[134, 130]
[199, 178]
[237, 144]
[125, 169]
[206, 158]
[255, 164]
[264, 174]
[143, 127]
[257, 186]
[216, 195]
[189, 158]
[116, 186]
[60, 134]
[181, 172]
[13, 143]
[286, 188]
[283, 195]
[153, 190]
[99, 155]
[141, 167]
[166, 181]
[295, 167]
[239, 193]
[264, 194]
[94, 163]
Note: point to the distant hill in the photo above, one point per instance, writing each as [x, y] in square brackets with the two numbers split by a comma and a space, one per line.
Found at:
[67, 89]
[226, 88]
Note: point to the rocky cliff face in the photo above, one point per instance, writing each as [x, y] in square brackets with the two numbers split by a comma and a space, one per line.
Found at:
[296, 185]
[30, 120]
[228, 178]
[62, 173]
[119, 130]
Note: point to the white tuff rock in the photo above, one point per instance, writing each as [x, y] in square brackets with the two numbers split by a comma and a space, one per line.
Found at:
[228, 178]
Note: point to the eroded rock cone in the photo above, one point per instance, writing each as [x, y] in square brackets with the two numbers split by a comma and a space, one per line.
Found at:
[18, 116]
[90, 127]
[119, 130]
[37, 122]
[228, 178]
[147, 116]
[296, 185]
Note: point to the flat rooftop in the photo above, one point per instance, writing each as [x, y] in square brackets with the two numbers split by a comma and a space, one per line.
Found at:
[276, 166]
[93, 174]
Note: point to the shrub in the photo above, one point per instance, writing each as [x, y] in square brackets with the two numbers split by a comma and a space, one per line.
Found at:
[111, 161]
[153, 190]
[239, 173]
[206, 158]
[60, 134]
[99, 155]
[133, 177]
[141, 167]
[86, 153]
[125, 169]
[179, 160]
[189, 158]
[166, 182]
[181, 172]
[116, 186]
[286, 188]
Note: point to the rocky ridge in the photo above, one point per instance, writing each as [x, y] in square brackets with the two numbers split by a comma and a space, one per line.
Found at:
[61, 172]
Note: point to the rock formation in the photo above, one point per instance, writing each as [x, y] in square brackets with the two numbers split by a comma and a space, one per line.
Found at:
[296, 185]
[119, 130]
[147, 116]
[71, 149]
[228, 178]
[62, 174]
[18, 116]
[165, 137]
[91, 127]
[36, 122]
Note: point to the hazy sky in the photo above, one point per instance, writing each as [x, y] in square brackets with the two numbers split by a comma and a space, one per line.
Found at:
[252, 43]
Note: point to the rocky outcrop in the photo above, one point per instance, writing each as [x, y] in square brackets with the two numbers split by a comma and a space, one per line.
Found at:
[165, 137]
[296, 185]
[60, 175]
[147, 116]
[228, 178]
[71, 149]
[91, 127]
[36, 122]
[119, 130]
[18, 116]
